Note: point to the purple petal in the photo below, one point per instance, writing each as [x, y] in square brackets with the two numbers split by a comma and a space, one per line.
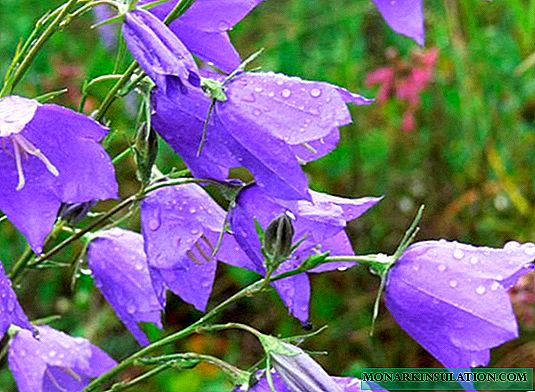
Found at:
[121, 273]
[404, 16]
[69, 141]
[10, 310]
[315, 149]
[269, 159]
[108, 33]
[293, 109]
[181, 225]
[159, 52]
[180, 122]
[294, 291]
[456, 309]
[204, 25]
[338, 245]
[38, 363]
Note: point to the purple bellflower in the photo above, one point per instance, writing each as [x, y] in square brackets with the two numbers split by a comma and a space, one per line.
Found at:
[404, 17]
[204, 28]
[268, 123]
[119, 265]
[296, 371]
[49, 155]
[452, 298]
[55, 362]
[107, 32]
[345, 384]
[181, 226]
[10, 310]
[158, 51]
[320, 222]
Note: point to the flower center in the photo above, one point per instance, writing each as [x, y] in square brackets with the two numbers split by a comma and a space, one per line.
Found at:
[22, 146]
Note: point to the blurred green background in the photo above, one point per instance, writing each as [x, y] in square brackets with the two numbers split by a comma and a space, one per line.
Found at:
[470, 160]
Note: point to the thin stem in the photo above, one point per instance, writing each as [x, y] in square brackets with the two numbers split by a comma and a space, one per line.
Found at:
[35, 48]
[123, 155]
[125, 385]
[248, 291]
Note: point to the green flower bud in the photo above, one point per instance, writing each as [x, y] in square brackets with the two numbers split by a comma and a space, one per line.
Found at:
[278, 238]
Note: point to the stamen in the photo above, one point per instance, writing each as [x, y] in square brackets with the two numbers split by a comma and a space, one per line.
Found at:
[20, 172]
[54, 381]
[20, 145]
[309, 148]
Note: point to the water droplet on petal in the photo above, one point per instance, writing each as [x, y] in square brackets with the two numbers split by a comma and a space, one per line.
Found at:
[286, 93]
[131, 309]
[223, 26]
[481, 290]
[416, 267]
[458, 253]
[342, 269]
[453, 283]
[494, 286]
[442, 268]
[474, 260]
[315, 92]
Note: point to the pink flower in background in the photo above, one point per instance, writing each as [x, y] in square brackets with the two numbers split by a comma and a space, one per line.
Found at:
[405, 80]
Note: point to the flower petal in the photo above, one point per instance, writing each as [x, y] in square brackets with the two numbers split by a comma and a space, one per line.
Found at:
[119, 266]
[404, 16]
[454, 308]
[10, 309]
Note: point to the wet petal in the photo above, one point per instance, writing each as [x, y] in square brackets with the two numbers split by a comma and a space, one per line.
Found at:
[453, 308]
[181, 225]
[10, 310]
[55, 360]
[119, 266]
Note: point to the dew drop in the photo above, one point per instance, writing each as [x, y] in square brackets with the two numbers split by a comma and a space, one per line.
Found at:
[52, 354]
[481, 290]
[441, 268]
[258, 89]
[494, 286]
[223, 26]
[453, 283]
[131, 308]
[474, 260]
[286, 93]
[257, 112]
[458, 253]
[192, 210]
[416, 267]
[271, 94]
[315, 92]
[529, 249]
[342, 269]
[139, 267]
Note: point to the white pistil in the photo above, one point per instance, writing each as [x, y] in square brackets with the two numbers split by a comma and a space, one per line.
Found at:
[22, 145]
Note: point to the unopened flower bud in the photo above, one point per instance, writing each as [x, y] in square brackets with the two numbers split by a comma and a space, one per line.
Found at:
[74, 213]
[278, 238]
[146, 149]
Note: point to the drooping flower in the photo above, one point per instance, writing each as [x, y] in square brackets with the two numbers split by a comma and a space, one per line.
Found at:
[49, 155]
[158, 51]
[181, 226]
[10, 311]
[452, 298]
[55, 362]
[296, 371]
[204, 27]
[119, 266]
[320, 222]
[268, 123]
[346, 384]
[404, 17]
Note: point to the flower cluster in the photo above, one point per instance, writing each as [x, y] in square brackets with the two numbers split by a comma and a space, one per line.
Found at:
[450, 297]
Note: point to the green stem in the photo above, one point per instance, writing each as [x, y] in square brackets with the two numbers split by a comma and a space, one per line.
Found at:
[125, 385]
[35, 48]
[248, 291]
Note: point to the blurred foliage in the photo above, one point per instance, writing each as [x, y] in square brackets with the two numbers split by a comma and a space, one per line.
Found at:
[470, 160]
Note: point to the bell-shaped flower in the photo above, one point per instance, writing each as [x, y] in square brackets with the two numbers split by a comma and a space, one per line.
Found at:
[10, 311]
[404, 17]
[204, 27]
[55, 362]
[319, 223]
[268, 123]
[119, 266]
[181, 226]
[452, 298]
[49, 155]
[344, 384]
[158, 51]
